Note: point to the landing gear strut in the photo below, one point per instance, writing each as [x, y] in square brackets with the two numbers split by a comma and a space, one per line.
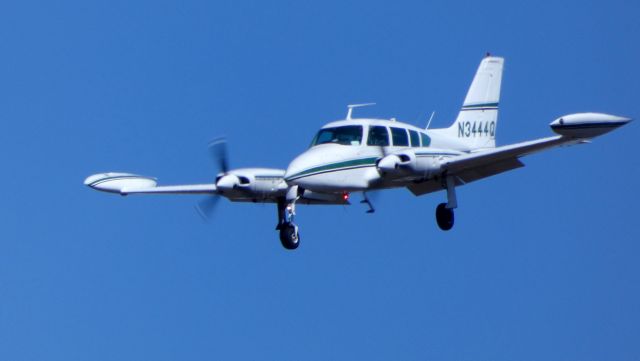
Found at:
[444, 212]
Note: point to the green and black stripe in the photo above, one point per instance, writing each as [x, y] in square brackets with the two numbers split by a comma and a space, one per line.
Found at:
[480, 106]
[334, 167]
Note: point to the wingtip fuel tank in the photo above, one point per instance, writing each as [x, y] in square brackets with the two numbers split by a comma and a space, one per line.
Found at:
[587, 125]
[115, 182]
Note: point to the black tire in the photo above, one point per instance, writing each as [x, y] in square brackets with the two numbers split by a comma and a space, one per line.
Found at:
[289, 238]
[444, 217]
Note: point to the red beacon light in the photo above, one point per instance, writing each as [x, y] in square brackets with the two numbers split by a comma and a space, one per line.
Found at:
[345, 196]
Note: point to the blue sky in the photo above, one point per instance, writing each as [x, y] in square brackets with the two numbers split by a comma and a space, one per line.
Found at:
[542, 263]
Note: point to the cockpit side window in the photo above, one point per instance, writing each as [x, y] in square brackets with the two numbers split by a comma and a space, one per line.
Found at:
[378, 135]
[346, 135]
[400, 138]
[415, 138]
[426, 141]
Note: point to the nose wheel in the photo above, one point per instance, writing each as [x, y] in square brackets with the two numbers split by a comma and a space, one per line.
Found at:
[289, 235]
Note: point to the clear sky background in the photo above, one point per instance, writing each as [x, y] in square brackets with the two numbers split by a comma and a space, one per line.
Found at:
[542, 263]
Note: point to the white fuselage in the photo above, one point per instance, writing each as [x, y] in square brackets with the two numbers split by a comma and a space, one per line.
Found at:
[357, 165]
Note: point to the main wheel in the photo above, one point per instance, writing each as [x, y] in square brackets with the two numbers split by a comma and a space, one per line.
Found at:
[444, 217]
[289, 236]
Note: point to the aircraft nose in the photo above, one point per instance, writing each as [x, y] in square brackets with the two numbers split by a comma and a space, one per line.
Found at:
[332, 168]
[301, 165]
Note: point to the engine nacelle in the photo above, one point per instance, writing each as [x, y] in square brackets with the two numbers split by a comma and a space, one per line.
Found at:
[229, 182]
[407, 164]
[251, 183]
[395, 163]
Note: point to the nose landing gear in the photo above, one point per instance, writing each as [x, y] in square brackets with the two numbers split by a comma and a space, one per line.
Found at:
[289, 235]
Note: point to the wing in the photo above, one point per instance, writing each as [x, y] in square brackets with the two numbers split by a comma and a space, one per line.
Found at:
[127, 183]
[483, 164]
[471, 167]
[177, 189]
[257, 185]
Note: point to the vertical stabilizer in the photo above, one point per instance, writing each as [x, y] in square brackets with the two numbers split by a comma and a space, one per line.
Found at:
[477, 121]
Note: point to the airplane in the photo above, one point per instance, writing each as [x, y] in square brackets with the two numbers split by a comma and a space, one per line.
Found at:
[364, 154]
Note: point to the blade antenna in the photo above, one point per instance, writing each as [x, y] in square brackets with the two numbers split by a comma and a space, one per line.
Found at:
[430, 119]
[351, 106]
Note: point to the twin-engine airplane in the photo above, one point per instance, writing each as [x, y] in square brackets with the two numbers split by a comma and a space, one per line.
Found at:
[361, 155]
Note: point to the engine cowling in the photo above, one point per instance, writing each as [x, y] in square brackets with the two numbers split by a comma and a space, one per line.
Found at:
[406, 164]
[251, 183]
[393, 163]
[230, 182]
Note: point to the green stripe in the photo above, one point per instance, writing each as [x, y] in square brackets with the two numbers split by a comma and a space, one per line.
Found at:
[437, 154]
[482, 105]
[102, 180]
[335, 166]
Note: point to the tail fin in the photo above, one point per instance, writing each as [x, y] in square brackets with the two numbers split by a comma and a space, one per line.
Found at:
[478, 119]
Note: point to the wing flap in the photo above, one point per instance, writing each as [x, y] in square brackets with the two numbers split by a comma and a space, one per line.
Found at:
[472, 174]
[422, 188]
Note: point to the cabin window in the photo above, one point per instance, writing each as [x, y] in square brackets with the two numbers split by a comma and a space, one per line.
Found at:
[400, 138]
[378, 135]
[415, 138]
[346, 135]
[426, 141]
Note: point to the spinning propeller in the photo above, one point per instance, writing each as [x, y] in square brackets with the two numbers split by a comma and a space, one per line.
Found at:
[384, 163]
[218, 152]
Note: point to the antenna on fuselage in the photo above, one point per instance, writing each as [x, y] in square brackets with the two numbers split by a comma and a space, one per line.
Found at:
[430, 119]
[351, 106]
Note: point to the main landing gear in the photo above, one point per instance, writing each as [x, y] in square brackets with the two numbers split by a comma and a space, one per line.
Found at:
[444, 212]
[444, 217]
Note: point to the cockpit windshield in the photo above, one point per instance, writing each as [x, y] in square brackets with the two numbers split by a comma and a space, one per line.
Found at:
[345, 135]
